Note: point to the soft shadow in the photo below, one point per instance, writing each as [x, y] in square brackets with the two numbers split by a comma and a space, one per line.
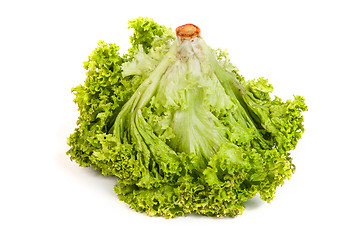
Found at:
[191, 216]
[211, 218]
[253, 203]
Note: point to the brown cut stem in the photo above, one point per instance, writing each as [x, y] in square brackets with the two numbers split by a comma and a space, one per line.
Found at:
[188, 31]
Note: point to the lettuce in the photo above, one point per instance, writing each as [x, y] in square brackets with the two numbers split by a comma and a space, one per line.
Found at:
[179, 127]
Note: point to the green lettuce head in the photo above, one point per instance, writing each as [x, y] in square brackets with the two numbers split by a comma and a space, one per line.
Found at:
[179, 127]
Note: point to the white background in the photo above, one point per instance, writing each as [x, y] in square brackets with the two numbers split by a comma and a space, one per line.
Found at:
[309, 48]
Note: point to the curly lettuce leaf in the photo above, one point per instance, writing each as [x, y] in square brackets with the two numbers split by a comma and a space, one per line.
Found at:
[109, 84]
[148, 35]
